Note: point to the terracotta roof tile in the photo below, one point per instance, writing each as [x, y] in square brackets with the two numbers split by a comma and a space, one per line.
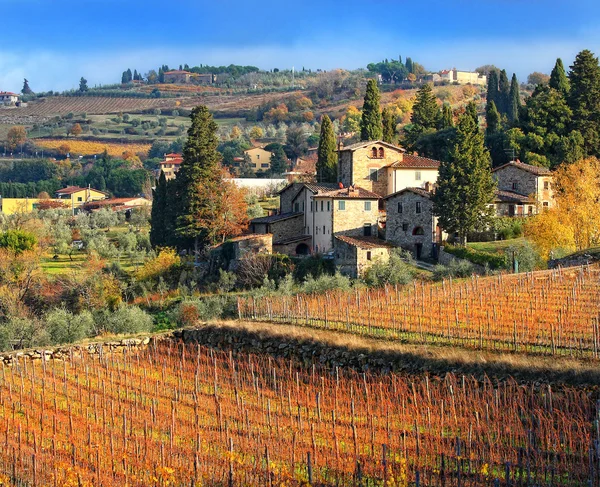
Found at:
[537, 170]
[419, 191]
[365, 242]
[275, 218]
[355, 192]
[411, 161]
[511, 197]
[359, 145]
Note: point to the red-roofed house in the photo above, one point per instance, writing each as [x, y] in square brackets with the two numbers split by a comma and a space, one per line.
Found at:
[170, 165]
[8, 98]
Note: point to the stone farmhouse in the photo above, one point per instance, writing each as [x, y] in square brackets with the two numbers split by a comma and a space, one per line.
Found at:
[8, 99]
[522, 188]
[463, 77]
[382, 201]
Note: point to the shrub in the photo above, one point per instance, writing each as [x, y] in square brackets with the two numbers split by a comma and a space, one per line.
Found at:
[65, 327]
[526, 254]
[125, 319]
[17, 240]
[313, 266]
[166, 264]
[395, 271]
[507, 227]
[456, 268]
[226, 281]
[207, 308]
[326, 283]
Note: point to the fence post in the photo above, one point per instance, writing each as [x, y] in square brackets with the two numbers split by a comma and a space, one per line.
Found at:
[309, 468]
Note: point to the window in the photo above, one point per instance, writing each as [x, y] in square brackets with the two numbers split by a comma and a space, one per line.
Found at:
[381, 152]
[417, 175]
[367, 230]
[257, 157]
[303, 206]
[367, 206]
[322, 204]
[418, 207]
[341, 205]
[545, 204]
[324, 232]
[373, 174]
[374, 152]
[546, 185]
[400, 207]
[311, 206]
[264, 165]
[368, 255]
[418, 231]
[530, 210]
[515, 185]
[296, 207]
[405, 227]
[79, 198]
[328, 205]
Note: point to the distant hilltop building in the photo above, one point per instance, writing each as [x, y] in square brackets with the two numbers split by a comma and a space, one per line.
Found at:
[8, 98]
[463, 77]
[180, 77]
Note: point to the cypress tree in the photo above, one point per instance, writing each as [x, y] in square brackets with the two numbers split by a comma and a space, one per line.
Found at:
[389, 126]
[425, 116]
[492, 119]
[327, 158]
[447, 119]
[558, 78]
[492, 88]
[514, 100]
[465, 184]
[279, 161]
[502, 102]
[584, 100]
[370, 123]
[471, 110]
[198, 173]
[159, 210]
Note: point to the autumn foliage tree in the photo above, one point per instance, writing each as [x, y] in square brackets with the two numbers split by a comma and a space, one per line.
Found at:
[573, 223]
[16, 136]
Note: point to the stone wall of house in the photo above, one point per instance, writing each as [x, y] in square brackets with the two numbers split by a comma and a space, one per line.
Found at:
[526, 181]
[345, 258]
[288, 228]
[292, 247]
[355, 166]
[286, 197]
[395, 221]
[352, 220]
[259, 228]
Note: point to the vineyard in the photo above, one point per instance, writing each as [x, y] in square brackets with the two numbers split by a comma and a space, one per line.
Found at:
[549, 312]
[175, 415]
[88, 147]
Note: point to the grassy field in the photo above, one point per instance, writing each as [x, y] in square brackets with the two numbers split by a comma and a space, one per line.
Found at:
[497, 246]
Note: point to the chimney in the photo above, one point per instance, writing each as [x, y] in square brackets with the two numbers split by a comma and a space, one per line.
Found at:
[340, 143]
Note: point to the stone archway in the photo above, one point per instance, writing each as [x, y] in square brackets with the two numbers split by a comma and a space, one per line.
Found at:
[302, 249]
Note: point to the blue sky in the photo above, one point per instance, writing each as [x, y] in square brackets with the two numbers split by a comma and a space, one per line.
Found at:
[54, 42]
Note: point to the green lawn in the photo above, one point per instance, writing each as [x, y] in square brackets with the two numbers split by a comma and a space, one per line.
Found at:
[497, 246]
[63, 264]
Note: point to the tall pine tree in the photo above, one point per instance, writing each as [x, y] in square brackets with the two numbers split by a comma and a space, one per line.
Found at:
[465, 184]
[492, 119]
[514, 100]
[502, 102]
[425, 116]
[279, 161]
[584, 100]
[370, 123]
[327, 158]
[159, 211]
[492, 88]
[558, 78]
[447, 119]
[389, 125]
[199, 174]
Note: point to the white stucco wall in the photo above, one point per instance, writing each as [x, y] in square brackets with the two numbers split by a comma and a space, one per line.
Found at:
[406, 178]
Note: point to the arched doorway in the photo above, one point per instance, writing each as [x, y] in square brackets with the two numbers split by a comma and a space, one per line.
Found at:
[302, 249]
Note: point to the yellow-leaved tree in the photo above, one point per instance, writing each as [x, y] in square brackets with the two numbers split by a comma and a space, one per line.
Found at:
[574, 222]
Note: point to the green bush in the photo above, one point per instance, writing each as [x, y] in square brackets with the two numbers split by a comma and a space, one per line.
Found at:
[17, 240]
[508, 227]
[493, 261]
[314, 266]
[125, 319]
[65, 327]
[396, 271]
[526, 254]
[207, 308]
[456, 268]
[325, 283]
